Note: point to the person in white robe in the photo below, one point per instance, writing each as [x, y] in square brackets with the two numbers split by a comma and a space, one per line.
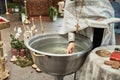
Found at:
[61, 5]
[80, 13]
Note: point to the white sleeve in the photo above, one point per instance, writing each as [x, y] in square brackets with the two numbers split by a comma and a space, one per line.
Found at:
[71, 36]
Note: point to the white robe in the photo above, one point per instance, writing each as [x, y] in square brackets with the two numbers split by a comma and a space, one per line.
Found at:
[92, 9]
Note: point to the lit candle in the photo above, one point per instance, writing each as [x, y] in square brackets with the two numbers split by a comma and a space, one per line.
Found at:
[33, 21]
[41, 25]
[33, 25]
[6, 7]
[25, 7]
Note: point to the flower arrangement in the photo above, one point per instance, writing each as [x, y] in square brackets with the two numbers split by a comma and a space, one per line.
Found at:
[21, 54]
[15, 42]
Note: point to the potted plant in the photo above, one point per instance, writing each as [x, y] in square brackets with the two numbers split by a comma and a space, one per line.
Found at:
[53, 13]
[16, 43]
[21, 54]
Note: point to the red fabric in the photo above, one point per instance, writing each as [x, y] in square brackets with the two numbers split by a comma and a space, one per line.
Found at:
[115, 56]
[1, 20]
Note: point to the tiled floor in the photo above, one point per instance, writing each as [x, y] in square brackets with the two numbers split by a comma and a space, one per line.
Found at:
[28, 73]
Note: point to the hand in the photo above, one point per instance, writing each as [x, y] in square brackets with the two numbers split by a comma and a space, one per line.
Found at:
[100, 19]
[70, 47]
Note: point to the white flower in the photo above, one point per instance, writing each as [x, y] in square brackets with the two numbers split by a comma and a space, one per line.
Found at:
[15, 29]
[19, 30]
[17, 35]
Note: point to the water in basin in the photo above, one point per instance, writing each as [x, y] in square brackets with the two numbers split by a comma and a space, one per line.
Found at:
[57, 48]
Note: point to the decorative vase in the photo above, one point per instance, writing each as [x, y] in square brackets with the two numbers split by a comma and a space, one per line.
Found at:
[55, 18]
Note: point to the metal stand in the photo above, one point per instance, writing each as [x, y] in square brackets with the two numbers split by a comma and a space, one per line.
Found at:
[58, 77]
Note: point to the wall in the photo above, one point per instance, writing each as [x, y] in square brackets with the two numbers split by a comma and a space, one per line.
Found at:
[2, 7]
[118, 1]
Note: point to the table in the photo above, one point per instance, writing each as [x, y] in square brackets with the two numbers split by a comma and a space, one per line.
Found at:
[95, 69]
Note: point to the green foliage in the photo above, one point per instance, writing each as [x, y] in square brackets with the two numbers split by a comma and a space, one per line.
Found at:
[16, 43]
[12, 5]
[23, 62]
[52, 11]
[19, 44]
[22, 10]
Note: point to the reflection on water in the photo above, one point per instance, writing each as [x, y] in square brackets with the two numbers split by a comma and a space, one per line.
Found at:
[57, 48]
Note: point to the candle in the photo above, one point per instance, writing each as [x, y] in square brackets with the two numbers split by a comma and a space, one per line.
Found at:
[14, 51]
[33, 27]
[22, 52]
[41, 25]
[33, 21]
[24, 28]
[6, 7]
[6, 4]
[1, 49]
[25, 7]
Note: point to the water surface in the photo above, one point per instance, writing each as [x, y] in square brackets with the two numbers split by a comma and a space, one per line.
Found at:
[57, 48]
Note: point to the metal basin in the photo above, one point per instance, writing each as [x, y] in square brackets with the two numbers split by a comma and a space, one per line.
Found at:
[49, 51]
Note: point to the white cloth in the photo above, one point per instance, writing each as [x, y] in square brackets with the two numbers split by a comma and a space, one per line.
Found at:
[95, 69]
[92, 9]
